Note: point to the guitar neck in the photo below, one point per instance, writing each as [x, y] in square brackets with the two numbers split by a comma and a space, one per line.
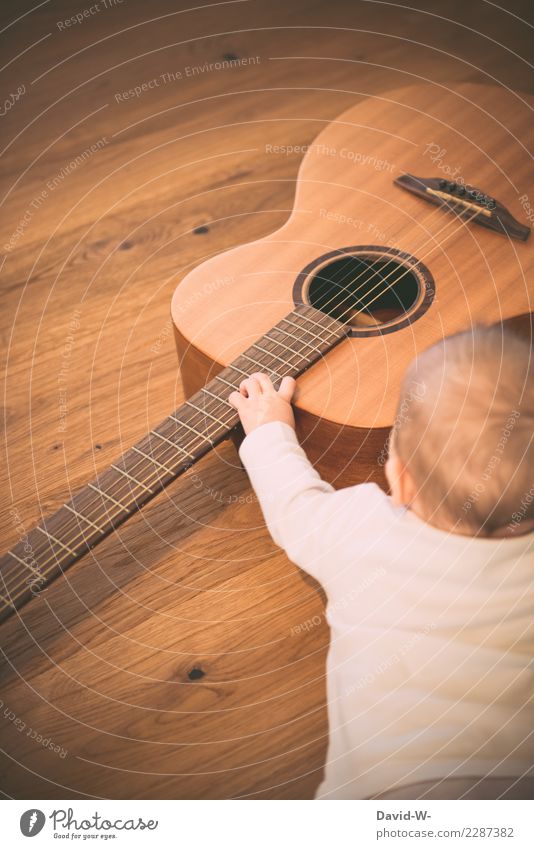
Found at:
[288, 349]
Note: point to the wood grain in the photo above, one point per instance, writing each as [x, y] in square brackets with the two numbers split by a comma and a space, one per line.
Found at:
[100, 663]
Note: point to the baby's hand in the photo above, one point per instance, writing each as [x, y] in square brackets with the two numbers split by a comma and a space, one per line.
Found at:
[258, 402]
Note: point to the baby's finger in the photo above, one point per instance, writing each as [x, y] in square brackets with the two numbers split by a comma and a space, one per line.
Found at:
[249, 387]
[287, 388]
[236, 400]
[264, 380]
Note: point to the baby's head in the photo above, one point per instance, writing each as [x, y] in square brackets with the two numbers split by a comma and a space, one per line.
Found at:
[462, 445]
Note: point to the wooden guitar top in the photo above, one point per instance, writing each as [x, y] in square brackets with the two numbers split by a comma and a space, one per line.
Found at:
[346, 196]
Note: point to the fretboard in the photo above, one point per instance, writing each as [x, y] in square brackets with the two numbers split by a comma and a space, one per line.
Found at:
[288, 349]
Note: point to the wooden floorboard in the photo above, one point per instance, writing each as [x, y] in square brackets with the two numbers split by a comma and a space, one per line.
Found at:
[99, 694]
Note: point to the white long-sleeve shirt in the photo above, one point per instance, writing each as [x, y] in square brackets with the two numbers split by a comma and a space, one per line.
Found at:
[430, 668]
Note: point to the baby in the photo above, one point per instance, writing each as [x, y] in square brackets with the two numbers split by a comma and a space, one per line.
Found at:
[430, 589]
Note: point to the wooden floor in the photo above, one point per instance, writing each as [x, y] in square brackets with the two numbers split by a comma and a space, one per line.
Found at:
[185, 657]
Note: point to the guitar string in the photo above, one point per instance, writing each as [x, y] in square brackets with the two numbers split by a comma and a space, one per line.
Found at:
[208, 437]
[126, 479]
[85, 535]
[454, 206]
[409, 270]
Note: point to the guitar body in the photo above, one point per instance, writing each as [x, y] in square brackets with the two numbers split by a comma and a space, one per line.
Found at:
[349, 216]
[409, 224]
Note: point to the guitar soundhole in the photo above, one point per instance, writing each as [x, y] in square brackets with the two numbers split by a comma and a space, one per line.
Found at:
[372, 289]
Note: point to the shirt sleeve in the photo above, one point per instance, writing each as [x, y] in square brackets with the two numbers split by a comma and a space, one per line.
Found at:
[305, 516]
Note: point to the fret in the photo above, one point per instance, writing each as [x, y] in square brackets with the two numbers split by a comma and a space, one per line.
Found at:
[301, 342]
[130, 477]
[153, 460]
[174, 445]
[204, 412]
[29, 566]
[305, 330]
[227, 382]
[293, 338]
[56, 541]
[36, 572]
[315, 324]
[204, 437]
[110, 497]
[260, 366]
[291, 346]
[338, 326]
[85, 519]
[12, 554]
[317, 318]
[217, 397]
[276, 342]
[257, 347]
[236, 368]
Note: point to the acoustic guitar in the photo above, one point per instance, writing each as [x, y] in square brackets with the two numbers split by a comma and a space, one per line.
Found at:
[409, 223]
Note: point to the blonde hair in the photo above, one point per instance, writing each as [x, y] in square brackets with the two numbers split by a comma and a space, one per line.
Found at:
[464, 430]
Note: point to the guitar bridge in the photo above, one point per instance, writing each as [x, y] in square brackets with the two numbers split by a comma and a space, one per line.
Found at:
[465, 201]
